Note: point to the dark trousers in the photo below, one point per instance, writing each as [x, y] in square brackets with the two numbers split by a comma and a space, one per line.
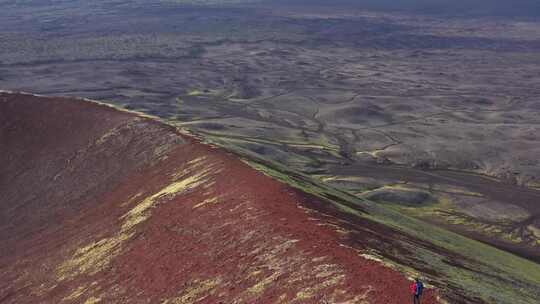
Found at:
[416, 299]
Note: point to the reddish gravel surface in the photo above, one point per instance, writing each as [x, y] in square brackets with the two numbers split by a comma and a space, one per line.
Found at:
[103, 206]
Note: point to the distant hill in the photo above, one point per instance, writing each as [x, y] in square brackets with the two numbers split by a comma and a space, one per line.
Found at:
[518, 8]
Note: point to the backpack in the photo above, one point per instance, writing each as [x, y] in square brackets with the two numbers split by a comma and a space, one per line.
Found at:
[419, 288]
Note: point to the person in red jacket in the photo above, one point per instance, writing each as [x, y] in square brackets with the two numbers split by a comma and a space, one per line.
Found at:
[417, 287]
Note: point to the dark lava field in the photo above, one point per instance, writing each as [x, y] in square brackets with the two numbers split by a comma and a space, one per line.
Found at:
[428, 109]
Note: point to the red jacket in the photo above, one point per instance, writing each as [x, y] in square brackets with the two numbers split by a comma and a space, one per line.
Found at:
[413, 288]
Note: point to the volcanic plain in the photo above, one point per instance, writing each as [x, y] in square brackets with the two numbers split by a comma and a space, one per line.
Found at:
[416, 130]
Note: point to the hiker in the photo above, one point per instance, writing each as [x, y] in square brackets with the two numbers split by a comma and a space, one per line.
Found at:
[417, 287]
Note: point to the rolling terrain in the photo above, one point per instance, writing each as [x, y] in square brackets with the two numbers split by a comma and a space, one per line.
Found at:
[402, 132]
[442, 96]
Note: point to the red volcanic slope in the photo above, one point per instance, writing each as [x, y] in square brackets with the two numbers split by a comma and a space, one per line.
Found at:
[104, 206]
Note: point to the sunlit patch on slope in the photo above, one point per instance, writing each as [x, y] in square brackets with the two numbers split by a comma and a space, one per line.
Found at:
[94, 257]
[209, 201]
[196, 291]
[75, 294]
[92, 300]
